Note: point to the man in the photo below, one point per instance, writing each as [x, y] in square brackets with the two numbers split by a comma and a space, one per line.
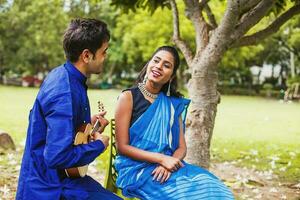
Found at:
[60, 107]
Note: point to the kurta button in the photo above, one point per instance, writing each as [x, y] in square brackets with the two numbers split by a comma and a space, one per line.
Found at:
[84, 121]
[85, 108]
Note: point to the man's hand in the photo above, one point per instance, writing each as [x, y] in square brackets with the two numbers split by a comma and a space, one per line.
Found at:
[100, 117]
[103, 138]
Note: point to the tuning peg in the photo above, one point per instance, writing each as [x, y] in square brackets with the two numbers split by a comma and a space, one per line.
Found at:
[100, 106]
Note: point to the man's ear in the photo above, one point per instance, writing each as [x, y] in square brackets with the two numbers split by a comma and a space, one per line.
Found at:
[86, 56]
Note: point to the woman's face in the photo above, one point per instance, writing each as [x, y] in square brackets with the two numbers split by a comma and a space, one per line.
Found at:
[160, 67]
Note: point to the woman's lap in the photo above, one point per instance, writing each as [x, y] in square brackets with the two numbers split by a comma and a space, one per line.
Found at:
[190, 182]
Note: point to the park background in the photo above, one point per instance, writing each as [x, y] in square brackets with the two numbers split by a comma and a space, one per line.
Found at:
[256, 137]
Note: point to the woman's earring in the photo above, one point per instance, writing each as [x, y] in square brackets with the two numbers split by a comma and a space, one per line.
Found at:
[145, 79]
[169, 88]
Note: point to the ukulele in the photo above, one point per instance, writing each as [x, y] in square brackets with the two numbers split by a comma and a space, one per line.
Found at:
[83, 136]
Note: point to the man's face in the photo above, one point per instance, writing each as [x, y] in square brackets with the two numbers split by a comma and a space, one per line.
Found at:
[95, 64]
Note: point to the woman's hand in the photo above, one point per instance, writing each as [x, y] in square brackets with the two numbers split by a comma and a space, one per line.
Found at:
[161, 174]
[170, 163]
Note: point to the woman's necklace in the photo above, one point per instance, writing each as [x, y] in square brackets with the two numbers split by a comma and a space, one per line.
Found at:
[145, 92]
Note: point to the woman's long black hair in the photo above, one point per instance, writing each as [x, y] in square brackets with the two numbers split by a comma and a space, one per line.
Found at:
[173, 88]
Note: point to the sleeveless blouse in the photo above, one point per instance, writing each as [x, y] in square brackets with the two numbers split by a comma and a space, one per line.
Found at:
[139, 104]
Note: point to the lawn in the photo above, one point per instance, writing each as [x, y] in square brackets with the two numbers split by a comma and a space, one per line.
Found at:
[259, 133]
[250, 131]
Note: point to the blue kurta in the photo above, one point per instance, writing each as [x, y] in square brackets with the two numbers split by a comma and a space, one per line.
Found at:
[60, 107]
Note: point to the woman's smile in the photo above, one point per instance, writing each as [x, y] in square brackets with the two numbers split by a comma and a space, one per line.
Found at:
[156, 74]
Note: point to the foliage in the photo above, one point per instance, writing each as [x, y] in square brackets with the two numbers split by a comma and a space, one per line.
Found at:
[267, 86]
[31, 31]
[236, 62]
[276, 49]
[31, 38]
[150, 5]
[293, 80]
[31, 35]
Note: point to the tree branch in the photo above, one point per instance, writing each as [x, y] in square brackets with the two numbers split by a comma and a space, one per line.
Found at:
[203, 3]
[211, 16]
[182, 45]
[227, 24]
[272, 28]
[252, 17]
[246, 5]
[194, 13]
[290, 48]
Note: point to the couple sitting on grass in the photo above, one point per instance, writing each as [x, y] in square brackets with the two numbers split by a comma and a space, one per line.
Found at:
[149, 130]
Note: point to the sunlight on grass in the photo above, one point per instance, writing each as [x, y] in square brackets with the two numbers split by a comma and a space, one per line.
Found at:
[258, 119]
[252, 131]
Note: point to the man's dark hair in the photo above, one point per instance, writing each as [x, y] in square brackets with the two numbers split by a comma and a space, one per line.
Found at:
[84, 34]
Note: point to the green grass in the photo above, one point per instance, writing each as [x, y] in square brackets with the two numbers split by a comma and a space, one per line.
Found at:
[251, 131]
[16, 102]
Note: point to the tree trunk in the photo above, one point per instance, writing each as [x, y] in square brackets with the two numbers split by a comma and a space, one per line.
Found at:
[110, 74]
[292, 63]
[202, 88]
[201, 118]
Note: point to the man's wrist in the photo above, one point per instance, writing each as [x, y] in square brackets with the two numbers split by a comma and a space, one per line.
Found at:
[100, 143]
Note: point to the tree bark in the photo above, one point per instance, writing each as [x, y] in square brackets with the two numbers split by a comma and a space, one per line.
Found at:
[201, 118]
[204, 96]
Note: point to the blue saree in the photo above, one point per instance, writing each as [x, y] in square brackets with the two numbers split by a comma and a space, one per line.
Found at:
[157, 130]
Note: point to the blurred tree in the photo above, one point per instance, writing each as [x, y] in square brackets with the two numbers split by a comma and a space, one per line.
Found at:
[284, 46]
[140, 33]
[100, 10]
[213, 38]
[31, 35]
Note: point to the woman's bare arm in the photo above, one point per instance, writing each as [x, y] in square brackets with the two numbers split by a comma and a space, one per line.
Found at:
[123, 117]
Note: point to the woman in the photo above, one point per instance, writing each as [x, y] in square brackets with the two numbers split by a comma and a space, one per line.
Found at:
[150, 138]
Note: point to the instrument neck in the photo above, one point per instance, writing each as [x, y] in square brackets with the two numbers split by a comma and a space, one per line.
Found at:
[96, 126]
